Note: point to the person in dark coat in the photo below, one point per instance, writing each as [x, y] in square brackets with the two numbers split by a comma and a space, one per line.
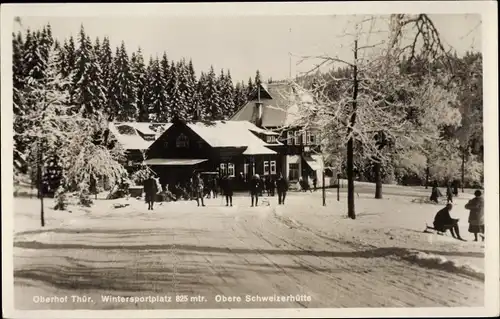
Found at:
[443, 222]
[273, 186]
[449, 193]
[198, 189]
[268, 185]
[255, 189]
[150, 190]
[476, 215]
[435, 193]
[455, 188]
[282, 188]
[227, 188]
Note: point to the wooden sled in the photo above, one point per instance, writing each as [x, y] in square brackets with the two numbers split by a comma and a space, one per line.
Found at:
[430, 229]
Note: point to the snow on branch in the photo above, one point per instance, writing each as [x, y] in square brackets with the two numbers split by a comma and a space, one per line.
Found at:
[391, 104]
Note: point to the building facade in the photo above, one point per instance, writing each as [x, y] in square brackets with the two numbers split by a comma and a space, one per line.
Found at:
[135, 138]
[275, 107]
[238, 149]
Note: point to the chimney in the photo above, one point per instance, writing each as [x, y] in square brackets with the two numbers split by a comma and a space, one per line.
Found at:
[259, 110]
[197, 113]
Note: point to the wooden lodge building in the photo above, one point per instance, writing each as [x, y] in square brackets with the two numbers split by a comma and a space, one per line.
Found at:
[274, 107]
[175, 151]
[261, 138]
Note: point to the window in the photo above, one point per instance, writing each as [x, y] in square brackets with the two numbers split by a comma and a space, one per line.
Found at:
[149, 137]
[271, 139]
[293, 174]
[266, 167]
[182, 141]
[223, 168]
[289, 137]
[273, 167]
[297, 138]
[230, 169]
[245, 169]
[304, 137]
[312, 138]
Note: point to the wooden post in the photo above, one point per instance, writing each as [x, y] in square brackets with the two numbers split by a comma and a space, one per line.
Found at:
[324, 191]
[40, 182]
[463, 169]
[427, 171]
[338, 187]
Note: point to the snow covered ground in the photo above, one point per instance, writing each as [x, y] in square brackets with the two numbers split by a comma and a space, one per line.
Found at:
[381, 259]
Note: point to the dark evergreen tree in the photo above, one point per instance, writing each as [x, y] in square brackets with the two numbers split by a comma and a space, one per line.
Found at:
[172, 89]
[258, 80]
[240, 95]
[139, 72]
[19, 107]
[226, 90]
[17, 71]
[250, 88]
[97, 48]
[46, 42]
[155, 95]
[123, 93]
[33, 62]
[200, 109]
[88, 88]
[178, 89]
[211, 97]
[191, 92]
[105, 58]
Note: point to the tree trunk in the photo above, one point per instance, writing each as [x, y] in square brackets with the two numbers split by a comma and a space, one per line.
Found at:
[427, 171]
[350, 144]
[378, 180]
[350, 180]
[463, 170]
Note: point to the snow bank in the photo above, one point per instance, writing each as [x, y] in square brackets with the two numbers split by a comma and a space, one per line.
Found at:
[392, 226]
[440, 262]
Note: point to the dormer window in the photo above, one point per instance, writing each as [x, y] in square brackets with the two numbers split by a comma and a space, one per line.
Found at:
[289, 137]
[296, 138]
[312, 138]
[182, 141]
[271, 139]
[149, 137]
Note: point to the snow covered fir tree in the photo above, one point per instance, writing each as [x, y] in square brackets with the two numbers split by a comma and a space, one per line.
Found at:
[89, 80]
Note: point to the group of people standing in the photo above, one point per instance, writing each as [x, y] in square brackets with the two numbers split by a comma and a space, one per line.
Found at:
[225, 186]
[256, 186]
[451, 190]
[443, 221]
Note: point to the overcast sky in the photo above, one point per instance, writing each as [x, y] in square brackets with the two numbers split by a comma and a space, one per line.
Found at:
[245, 44]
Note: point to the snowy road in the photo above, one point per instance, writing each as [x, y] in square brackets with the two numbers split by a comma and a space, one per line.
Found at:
[181, 250]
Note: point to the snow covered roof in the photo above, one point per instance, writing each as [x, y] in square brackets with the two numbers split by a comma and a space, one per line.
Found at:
[230, 134]
[173, 161]
[137, 135]
[258, 150]
[281, 110]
